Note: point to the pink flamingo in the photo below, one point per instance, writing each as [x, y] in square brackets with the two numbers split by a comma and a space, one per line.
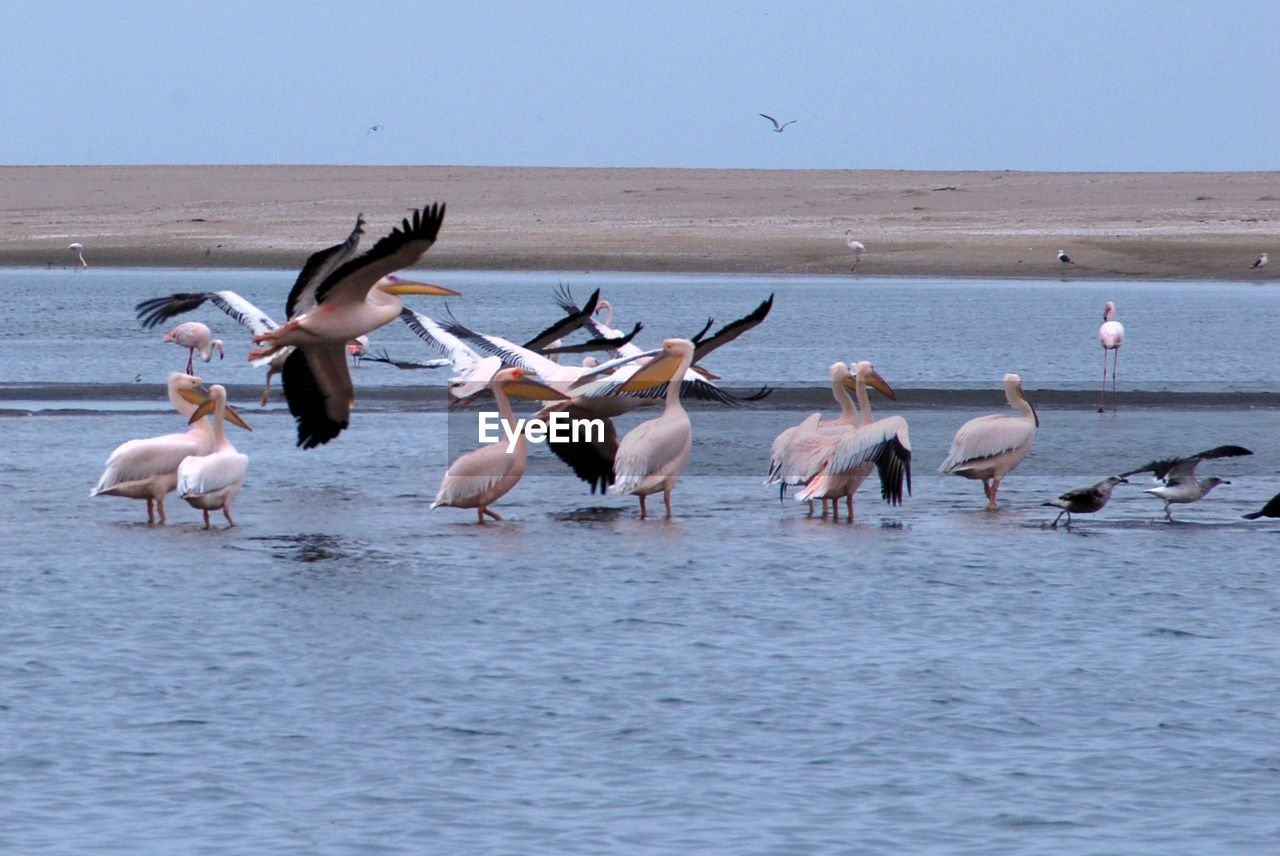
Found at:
[1111, 335]
[195, 336]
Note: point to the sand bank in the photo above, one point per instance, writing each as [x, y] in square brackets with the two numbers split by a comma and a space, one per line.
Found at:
[913, 223]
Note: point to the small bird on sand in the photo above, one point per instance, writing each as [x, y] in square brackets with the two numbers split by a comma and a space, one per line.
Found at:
[1085, 500]
[1261, 261]
[1179, 476]
[1064, 258]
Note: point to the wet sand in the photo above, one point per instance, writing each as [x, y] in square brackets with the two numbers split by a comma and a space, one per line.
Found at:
[913, 223]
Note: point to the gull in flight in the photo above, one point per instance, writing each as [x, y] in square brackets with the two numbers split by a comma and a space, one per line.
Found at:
[1179, 476]
[778, 127]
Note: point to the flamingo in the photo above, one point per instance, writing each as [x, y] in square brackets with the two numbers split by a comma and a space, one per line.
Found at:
[1111, 336]
[196, 338]
[210, 481]
[989, 447]
[148, 468]
[652, 455]
[336, 299]
[857, 247]
[77, 249]
[483, 476]
[1178, 476]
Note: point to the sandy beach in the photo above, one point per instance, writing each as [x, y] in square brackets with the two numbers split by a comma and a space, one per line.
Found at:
[913, 223]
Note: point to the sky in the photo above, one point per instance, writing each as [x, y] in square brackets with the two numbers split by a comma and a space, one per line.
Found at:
[1089, 85]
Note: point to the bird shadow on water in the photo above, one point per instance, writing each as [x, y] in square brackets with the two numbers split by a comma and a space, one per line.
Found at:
[310, 547]
[590, 514]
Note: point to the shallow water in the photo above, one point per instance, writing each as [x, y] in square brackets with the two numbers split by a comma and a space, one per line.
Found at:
[349, 672]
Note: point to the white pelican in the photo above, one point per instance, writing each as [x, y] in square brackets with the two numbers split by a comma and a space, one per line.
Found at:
[1064, 258]
[1084, 500]
[483, 476]
[872, 444]
[210, 481]
[1271, 509]
[778, 127]
[652, 455]
[196, 338]
[1179, 476]
[1260, 261]
[77, 249]
[1111, 337]
[335, 299]
[989, 447]
[857, 246]
[148, 468]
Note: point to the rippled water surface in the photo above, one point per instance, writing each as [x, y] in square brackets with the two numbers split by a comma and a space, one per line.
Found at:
[349, 672]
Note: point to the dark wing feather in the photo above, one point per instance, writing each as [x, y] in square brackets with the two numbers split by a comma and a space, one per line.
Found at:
[590, 461]
[322, 409]
[152, 312]
[400, 249]
[302, 297]
[732, 330]
[1186, 466]
[893, 465]
[572, 321]
[597, 344]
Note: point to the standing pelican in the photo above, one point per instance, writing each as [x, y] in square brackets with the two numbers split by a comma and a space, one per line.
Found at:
[1260, 261]
[77, 249]
[196, 338]
[988, 447]
[1111, 336]
[652, 455]
[210, 481]
[148, 468]
[778, 127]
[335, 299]
[1064, 258]
[801, 452]
[1084, 500]
[857, 247]
[483, 476]
[1178, 476]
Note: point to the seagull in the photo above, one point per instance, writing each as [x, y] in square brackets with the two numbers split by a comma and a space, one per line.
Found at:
[77, 249]
[1064, 258]
[1261, 261]
[373, 128]
[1271, 509]
[857, 247]
[1085, 500]
[778, 128]
[1179, 476]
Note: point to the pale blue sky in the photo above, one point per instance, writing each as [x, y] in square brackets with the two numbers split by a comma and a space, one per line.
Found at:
[1082, 85]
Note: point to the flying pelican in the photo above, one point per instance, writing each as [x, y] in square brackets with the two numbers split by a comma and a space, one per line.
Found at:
[1271, 509]
[483, 476]
[148, 468]
[1064, 258]
[77, 249]
[778, 128]
[195, 337]
[873, 444]
[210, 481]
[1084, 500]
[988, 447]
[1111, 336]
[1179, 476]
[857, 247]
[652, 455]
[335, 299]
[1261, 261]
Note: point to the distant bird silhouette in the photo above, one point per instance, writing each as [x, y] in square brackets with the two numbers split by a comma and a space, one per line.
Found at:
[1271, 509]
[1064, 258]
[778, 128]
[373, 128]
[1179, 476]
[856, 246]
[1084, 500]
[1261, 261]
[78, 250]
[1111, 337]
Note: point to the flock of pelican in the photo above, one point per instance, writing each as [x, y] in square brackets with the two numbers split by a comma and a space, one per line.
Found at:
[341, 295]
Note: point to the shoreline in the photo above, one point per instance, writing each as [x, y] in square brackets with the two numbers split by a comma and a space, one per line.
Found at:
[1116, 226]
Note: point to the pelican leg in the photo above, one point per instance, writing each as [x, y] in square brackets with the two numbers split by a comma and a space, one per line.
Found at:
[643, 511]
[489, 511]
[207, 524]
[666, 499]
[811, 508]
[151, 514]
[226, 512]
[849, 499]
[159, 511]
[992, 490]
